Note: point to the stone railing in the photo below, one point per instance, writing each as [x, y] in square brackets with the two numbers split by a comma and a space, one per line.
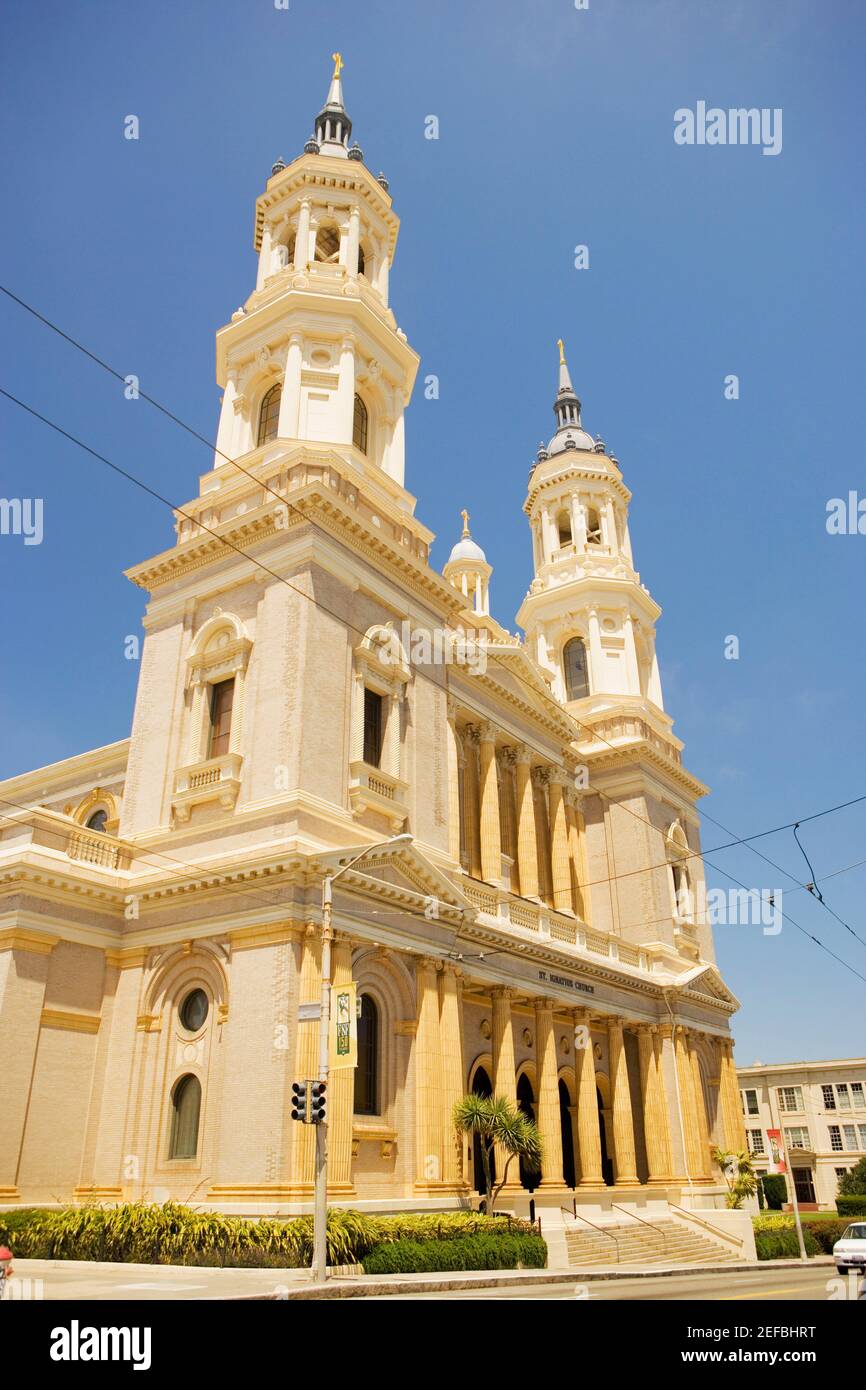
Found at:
[214, 779]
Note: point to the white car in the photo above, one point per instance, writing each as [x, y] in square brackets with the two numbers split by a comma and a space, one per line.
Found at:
[849, 1252]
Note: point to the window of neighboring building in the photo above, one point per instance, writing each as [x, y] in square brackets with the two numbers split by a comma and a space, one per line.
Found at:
[360, 425]
[829, 1097]
[835, 1138]
[221, 699]
[857, 1094]
[750, 1102]
[840, 1172]
[790, 1098]
[843, 1097]
[797, 1137]
[862, 1129]
[97, 821]
[269, 415]
[185, 1106]
[194, 1010]
[756, 1141]
[367, 1070]
[372, 728]
[576, 669]
[850, 1135]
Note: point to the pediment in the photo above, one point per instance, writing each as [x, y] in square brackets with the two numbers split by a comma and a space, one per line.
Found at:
[405, 868]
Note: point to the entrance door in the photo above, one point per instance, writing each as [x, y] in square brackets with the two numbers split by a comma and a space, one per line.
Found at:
[481, 1086]
[526, 1103]
[567, 1136]
[606, 1161]
[803, 1185]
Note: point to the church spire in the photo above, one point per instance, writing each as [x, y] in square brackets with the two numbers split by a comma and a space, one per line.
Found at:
[569, 431]
[333, 127]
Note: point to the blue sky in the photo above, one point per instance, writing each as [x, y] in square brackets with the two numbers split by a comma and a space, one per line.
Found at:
[556, 129]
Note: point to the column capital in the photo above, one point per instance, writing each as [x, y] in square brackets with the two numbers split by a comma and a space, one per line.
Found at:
[541, 776]
[542, 1004]
[508, 755]
[487, 731]
[524, 754]
[504, 992]
[473, 733]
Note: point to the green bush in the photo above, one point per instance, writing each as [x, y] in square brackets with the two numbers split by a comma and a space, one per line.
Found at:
[775, 1190]
[783, 1245]
[146, 1233]
[472, 1252]
[826, 1233]
[851, 1206]
[853, 1183]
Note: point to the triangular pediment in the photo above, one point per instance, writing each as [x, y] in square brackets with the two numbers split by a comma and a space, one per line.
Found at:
[404, 868]
[706, 980]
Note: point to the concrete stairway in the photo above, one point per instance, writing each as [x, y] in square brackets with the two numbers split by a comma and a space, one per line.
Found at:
[667, 1242]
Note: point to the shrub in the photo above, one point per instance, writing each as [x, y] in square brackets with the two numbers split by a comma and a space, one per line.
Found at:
[851, 1206]
[775, 1190]
[826, 1233]
[853, 1183]
[782, 1244]
[470, 1252]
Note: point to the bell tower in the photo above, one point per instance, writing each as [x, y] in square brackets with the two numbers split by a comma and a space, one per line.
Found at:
[315, 354]
[588, 619]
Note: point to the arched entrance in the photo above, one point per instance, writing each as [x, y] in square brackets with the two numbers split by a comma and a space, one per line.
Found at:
[606, 1161]
[526, 1103]
[481, 1086]
[567, 1135]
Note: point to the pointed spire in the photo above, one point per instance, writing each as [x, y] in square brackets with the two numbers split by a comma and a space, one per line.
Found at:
[570, 433]
[564, 378]
[333, 127]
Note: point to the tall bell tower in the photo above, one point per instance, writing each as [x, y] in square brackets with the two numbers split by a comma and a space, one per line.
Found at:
[315, 353]
[588, 618]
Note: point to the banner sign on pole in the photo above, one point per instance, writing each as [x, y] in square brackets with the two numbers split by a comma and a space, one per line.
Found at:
[344, 1027]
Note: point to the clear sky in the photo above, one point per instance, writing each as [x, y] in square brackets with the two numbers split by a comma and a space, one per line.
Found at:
[556, 129]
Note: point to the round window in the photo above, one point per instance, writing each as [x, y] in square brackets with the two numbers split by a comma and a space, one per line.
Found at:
[193, 1010]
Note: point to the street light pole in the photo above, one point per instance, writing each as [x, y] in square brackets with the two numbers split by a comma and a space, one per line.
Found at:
[320, 1206]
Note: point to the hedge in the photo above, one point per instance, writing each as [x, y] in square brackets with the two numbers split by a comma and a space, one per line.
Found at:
[775, 1190]
[852, 1206]
[488, 1251]
[783, 1244]
[145, 1233]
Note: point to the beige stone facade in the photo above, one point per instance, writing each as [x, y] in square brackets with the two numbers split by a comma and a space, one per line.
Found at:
[311, 686]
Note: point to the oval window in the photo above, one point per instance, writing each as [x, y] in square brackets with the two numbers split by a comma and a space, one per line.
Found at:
[193, 1010]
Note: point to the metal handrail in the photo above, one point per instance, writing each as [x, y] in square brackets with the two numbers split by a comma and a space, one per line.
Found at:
[578, 1217]
[644, 1222]
[719, 1235]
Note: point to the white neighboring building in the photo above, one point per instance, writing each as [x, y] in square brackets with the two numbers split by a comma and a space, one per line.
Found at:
[820, 1109]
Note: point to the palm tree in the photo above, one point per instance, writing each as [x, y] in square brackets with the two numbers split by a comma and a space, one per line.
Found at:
[739, 1174]
[497, 1122]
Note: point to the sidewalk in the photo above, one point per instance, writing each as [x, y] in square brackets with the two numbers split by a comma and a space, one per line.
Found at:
[90, 1280]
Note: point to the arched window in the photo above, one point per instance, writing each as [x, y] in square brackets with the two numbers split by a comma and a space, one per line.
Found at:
[328, 244]
[269, 415]
[593, 527]
[576, 669]
[185, 1110]
[367, 1070]
[194, 1010]
[563, 526]
[362, 260]
[681, 879]
[97, 821]
[360, 425]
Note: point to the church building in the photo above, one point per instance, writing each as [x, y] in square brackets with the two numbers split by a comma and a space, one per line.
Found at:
[511, 822]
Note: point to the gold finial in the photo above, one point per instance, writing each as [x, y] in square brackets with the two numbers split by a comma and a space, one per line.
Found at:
[465, 516]
[338, 63]
[561, 345]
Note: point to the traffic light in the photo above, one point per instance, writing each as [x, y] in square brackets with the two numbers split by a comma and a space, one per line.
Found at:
[317, 1102]
[300, 1102]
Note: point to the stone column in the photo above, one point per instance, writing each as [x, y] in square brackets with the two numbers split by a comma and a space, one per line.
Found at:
[706, 1164]
[560, 868]
[729, 1095]
[453, 756]
[527, 850]
[654, 1108]
[264, 268]
[428, 1078]
[453, 1080]
[302, 240]
[547, 1110]
[624, 1162]
[290, 400]
[226, 427]
[596, 655]
[346, 391]
[354, 240]
[667, 1062]
[540, 777]
[588, 1156]
[470, 800]
[504, 1071]
[694, 1158]
[631, 655]
[509, 813]
[580, 904]
[578, 524]
[307, 1059]
[491, 846]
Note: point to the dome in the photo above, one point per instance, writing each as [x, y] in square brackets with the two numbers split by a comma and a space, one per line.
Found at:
[570, 438]
[466, 549]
